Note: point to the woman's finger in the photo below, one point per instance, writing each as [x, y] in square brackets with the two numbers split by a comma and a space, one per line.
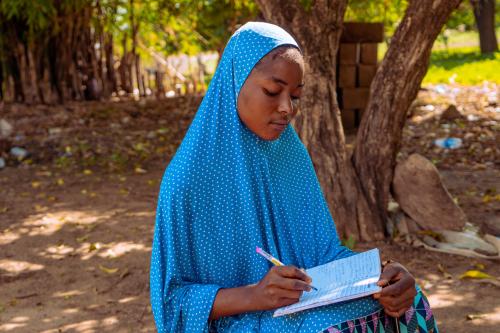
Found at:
[287, 301]
[396, 304]
[395, 314]
[292, 272]
[397, 308]
[390, 273]
[399, 287]
[397, 301]
[293, 284]
[286, 293]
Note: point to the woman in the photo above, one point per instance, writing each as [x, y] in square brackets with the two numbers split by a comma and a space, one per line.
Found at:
[240, 179]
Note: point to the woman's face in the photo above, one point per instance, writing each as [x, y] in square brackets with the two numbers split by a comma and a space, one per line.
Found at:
[269, 98]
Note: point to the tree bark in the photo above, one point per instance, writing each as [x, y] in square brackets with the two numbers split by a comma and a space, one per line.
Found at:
[136, 60]
[319, 124]
[28, 76]
[393, 89]
[357, 188]
[1, 79]
[484, 13]
[50, 64]
[112, 84]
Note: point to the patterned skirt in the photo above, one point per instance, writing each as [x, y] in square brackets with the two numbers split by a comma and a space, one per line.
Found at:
[418, 319]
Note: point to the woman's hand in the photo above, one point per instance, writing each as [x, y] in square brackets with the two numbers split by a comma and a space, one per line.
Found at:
[398, 289]
[281, 286]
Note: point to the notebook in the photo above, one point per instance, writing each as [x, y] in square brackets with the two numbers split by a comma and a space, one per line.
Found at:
[338, 281]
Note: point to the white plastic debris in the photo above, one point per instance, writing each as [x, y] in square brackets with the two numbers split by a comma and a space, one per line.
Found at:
[428, 107]
[5, 128]
[19, 153]
[55, 131]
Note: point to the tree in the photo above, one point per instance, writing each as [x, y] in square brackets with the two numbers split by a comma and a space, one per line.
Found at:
[357, 187]
[54, 51]
[48, 51]
[484, 13]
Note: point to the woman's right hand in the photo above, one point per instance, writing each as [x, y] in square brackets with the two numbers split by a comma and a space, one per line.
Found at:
[281, 286]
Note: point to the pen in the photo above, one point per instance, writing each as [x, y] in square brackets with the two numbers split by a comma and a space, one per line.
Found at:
[275, 261]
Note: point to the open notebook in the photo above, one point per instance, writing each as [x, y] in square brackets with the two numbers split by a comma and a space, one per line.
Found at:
[338, 281]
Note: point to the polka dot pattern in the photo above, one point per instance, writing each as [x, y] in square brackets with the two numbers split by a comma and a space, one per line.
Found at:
[227, 191]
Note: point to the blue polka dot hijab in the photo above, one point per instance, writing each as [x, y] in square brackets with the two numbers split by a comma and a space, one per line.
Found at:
[227, 191]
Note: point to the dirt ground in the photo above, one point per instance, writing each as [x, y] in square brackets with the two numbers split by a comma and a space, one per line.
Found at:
[77, 217]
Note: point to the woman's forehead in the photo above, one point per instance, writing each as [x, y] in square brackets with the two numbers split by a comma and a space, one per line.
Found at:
[288, 54]
[282, 71]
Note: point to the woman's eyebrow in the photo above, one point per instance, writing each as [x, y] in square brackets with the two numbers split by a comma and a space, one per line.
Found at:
[283, 82]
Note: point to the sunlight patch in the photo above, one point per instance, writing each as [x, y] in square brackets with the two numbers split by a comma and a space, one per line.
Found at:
[57, 251]
[121, 248]
[48, 224]
[16, 266]
[68, 294]
[16, 322]
[443, 298]
[127, 299]
[84, 326]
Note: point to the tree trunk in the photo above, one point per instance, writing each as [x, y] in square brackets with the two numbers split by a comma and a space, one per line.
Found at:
[125, 68]
[356, 189]
[51, 62]
[484, 12]
[110, 69]
[1, 79]
[136, 60]
[99, 38]
[393, 89]
[28, 76]
[318, 32]
[160, 88]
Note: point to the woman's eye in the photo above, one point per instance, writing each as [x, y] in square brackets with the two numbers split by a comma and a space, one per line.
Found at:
[295, 98]
[270, 93]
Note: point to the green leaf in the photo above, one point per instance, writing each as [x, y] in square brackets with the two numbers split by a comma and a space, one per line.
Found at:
[350, 242]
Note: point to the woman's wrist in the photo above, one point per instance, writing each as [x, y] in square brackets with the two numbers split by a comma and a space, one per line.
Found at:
[233, 301]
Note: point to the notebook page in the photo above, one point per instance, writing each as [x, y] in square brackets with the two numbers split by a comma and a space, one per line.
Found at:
[340, 280]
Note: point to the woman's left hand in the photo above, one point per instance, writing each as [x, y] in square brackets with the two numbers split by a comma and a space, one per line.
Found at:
[398, 289]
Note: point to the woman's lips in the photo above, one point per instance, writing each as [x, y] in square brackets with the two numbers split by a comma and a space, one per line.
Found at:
[279, 126]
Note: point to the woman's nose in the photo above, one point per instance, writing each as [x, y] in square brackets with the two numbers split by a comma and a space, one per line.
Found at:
[285, 105]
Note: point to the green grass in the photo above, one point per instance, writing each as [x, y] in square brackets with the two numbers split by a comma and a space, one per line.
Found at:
[459, 59]
[457, 39]
[466, 65]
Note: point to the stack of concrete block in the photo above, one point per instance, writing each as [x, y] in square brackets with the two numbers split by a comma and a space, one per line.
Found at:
[356, 67]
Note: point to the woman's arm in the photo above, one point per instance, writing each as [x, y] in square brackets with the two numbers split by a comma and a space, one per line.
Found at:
[282, 285]
[232, 301]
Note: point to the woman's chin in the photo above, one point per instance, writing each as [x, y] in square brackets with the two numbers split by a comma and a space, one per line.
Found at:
[270, 133]
[273, 134]
[270, 136]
